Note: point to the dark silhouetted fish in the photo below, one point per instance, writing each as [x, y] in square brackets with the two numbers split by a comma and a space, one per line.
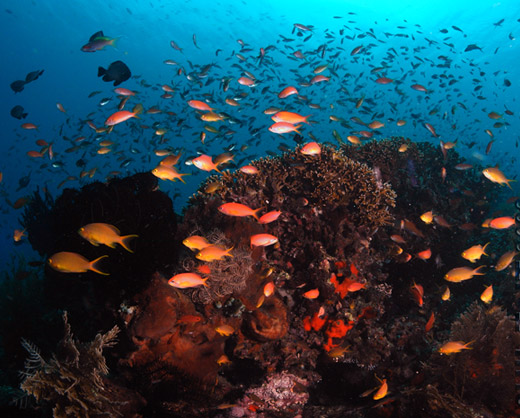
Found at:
[472, 47]
[18, 113]
[116, 72]
[17, 86]
[33, 76]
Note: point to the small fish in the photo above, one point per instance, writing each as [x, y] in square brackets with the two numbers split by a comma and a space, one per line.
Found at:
[454, 347]
[288, 91]
[225, 330]
[460, 274]
[205, 162]
[503, 222]
[238, 209]
[187, 280]
[199, 105]
[67, 262]
[196, 242]
[213, 253]
[427, 217]
[116, 72]
[496, 176]
[18, 235]
[106, 234]
[505, 260]
[418, 293]
[311, 148]
[290, 117]
[487, 295]
[269, 289]
[382, 391]
[98, 41]
[263, 240]
[474, 253]
[284, 127]
[311, 294]
[425, 255]
[249, 169]
[269, 217]
[446, 295]
[123, 115]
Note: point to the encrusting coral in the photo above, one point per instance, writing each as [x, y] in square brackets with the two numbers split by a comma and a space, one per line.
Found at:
[74, 381]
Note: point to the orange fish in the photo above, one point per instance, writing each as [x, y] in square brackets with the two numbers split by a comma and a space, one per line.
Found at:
[288, 91]
[311, 294]
[106, 234]
[18, 235]
[238, 209]
[213, 253]
[186, 280]
[196, 242]
[430, 322]
[284, 127]
[212, 117]
[446, 295]
[165, 172]
[311, 148]
[124, 92]
[263, 240]
[199, 105]
[269, 289]
[67, 262]
[425, 255]
[319, 78]
[474, 253]
[290, 117]
[29, 126]
[382, 391]
[460, 274]
[427, 217]
[205, 162]
[123, 115]
[61, 108]
[496, 176]
[502, 223]
[418, 293]
[269, 217]
[225, 330]
[431, 129]
[454, 347]
[419, 87]
[487, 295]
[249, 169]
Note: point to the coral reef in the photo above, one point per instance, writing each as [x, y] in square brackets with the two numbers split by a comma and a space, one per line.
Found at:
[299, 327]
[74, 381]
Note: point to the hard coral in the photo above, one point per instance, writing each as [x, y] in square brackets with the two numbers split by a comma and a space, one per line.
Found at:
[74, 381]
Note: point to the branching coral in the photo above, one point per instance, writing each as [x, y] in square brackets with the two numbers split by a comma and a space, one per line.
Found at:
[484, 374]
[73, 381]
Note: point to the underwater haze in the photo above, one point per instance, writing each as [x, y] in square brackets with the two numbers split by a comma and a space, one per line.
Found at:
[343, 174]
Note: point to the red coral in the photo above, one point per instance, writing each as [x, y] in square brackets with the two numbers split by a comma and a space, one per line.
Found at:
[337, 329]
[316, 323]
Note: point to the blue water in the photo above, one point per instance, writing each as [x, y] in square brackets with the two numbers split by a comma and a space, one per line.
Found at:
[48, 35]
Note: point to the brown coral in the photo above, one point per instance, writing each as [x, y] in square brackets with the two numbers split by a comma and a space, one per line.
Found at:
[74, 381]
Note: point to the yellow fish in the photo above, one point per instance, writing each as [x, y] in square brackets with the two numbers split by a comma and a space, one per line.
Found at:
[213, 252]
[474, 253]
[454, 347]
[67, 262]
[106, 234]
[496, 176]
[487, 294]
[505, 260]
[460, 274]
[196, 243]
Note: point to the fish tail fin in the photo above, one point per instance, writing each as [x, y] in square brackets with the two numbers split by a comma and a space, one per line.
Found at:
[204, 282]
[477, 271]
[296, 129]
[484, 248]
[306, 121]
[101, 71]
[93, 267]
[509, 181]
[113, 41]
[217, 170]
[467, 345]
[255, 212]
[125, 241]
[228, 251]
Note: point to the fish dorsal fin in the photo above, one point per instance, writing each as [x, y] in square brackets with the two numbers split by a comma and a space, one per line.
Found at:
[96, 35]
[113, 228]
